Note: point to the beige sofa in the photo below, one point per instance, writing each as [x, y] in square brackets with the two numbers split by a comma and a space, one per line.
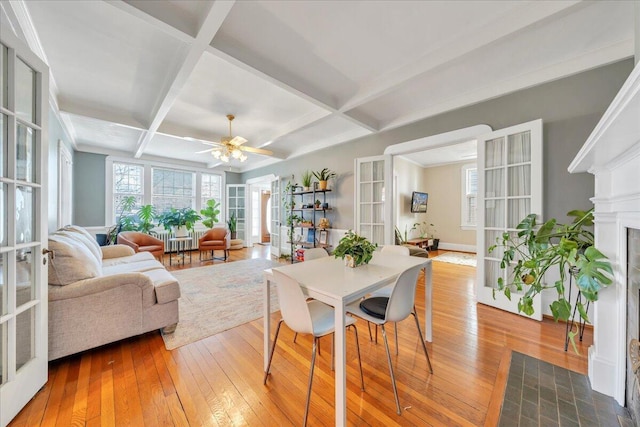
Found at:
[99, 295]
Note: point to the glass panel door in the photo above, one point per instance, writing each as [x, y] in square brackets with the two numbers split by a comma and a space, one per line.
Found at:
[275, 217]
[373, 217]
[236, 203]
[23, 225]
[509, 188]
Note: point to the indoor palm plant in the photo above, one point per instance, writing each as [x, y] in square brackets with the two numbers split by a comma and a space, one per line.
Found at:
[354, 249]
[180, 220]
[570, 249]
[146, 214]
[232, 222]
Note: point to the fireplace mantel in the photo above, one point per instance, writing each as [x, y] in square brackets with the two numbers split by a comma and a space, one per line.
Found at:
[612, 155]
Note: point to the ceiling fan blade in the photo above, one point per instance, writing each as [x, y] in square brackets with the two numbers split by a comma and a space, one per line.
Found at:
[237, 141]
[206, 151]
[257, 151]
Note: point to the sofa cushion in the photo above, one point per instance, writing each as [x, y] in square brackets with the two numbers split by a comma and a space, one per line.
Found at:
[166, 286]
[71, 261]
[95, 250]
[91, 240]
[131, 267]
[128, 259]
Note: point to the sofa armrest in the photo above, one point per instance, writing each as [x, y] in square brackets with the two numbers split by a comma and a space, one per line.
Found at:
[96, 285]
[116, 251]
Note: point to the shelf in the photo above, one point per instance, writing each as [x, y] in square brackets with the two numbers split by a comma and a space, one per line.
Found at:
[300, 193]
[299, 197]
[308, 245]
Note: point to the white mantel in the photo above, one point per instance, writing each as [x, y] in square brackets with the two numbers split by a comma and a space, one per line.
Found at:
[612, 154]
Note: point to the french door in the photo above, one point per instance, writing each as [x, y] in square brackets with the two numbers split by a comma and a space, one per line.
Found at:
[509, 189]
[236, 205]
[373, 211]
[275, 217]
[24, 89]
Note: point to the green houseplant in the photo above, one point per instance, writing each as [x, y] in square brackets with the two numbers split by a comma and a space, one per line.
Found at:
[354, 249]
[232, 223]
[323, 176]
[568, 248]
[180, 220]
[307, 178]
[210, 213]
[125, 219]
[146, 215]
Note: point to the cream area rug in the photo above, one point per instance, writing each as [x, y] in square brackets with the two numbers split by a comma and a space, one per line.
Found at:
[216, 298]
[461, 258]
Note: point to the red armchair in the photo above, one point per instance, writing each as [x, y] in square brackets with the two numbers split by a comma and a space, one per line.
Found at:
[215, 239]
[141, 242]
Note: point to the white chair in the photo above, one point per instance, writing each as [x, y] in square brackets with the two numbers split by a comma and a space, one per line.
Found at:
[393, 309]
[314, 253]
[386, 291]
[312, 317]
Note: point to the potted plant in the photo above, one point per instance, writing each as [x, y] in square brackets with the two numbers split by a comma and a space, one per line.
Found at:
[125, 219]
[307, 177]
[422, 228]
[318, 203]
[569, 248]
[210, 213]
[232, 223]
[323, 176]
[146, 214]
[354, 249]
[180, 220]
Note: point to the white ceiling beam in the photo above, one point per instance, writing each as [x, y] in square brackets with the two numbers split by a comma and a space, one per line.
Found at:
[517, 20]
[372, 127]
[210, 26]
[171, 28]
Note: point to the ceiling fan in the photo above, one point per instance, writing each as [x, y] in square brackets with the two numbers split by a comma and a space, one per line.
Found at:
[231, 147]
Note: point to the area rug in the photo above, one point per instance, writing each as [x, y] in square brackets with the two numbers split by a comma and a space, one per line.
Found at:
[216, 298]
[461, 258]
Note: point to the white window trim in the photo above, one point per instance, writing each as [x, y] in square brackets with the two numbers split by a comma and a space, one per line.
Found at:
[110, 160]
[463, 197]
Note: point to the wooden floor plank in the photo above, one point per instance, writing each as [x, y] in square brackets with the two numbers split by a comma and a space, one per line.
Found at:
[218, 380]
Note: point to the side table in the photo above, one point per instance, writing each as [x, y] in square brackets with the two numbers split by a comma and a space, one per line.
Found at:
[181, 245]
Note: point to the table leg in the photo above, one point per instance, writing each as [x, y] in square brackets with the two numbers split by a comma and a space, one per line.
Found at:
[266, 320]
[340, 364]
[428, 303]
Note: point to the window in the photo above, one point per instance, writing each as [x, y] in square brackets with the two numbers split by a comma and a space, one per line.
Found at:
[127, 181]
[172, 189]
[162, 185]
[469, 196]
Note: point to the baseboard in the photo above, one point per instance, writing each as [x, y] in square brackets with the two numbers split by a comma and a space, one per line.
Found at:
[457, 247]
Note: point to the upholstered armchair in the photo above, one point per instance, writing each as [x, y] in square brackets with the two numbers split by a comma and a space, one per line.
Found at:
[215, 239]
[141, 242]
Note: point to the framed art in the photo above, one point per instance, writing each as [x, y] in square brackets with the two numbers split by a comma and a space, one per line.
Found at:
[323, 237]
[311, 235]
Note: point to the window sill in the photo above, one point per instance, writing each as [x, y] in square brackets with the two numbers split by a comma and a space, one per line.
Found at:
[468, 227]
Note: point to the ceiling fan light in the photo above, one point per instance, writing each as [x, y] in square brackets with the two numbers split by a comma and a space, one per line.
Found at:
[224, 158]
[236, 153]
[242, 157]
[216, 153]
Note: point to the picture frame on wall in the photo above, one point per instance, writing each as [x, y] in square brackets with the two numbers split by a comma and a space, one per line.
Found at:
[323, 237]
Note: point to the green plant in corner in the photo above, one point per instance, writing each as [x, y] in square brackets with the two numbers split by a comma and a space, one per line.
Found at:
[570, 248]
[125, 219]
[210, 213]
[146, 214]
[356, 246]
[232, 223]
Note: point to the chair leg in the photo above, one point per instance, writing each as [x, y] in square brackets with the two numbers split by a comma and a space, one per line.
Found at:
[273, 349]
[369, 327]
[295, 337]
[359, 358]
[395, 326]
[424, 346]
[313, 364]
[393, 378]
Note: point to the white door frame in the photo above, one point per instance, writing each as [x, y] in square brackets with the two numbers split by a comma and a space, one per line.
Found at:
[260, 182]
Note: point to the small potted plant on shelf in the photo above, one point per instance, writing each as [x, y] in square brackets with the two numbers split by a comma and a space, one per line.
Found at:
[354, 249]
[569, 248]
[307, 177]
[210, 213]
[323, 176]
[180, 220]
[318, 203]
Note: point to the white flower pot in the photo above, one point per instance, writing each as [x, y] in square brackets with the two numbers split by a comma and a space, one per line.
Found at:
[349, 261]
[181, 231]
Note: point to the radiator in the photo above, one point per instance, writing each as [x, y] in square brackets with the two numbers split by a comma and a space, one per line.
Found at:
[166, 235]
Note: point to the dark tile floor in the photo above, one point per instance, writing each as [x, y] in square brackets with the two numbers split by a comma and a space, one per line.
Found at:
[541, 394]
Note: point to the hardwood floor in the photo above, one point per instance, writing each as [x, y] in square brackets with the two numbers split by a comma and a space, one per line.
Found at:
[218, 380]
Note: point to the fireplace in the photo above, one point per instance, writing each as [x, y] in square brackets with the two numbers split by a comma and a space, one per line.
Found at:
[612, 155]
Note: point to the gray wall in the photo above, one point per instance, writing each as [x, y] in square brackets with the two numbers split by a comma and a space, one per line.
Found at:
[89, 192]
[56, 133]
[233, 178]
[570, 108]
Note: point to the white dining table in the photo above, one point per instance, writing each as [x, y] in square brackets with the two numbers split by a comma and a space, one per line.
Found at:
[330, 281]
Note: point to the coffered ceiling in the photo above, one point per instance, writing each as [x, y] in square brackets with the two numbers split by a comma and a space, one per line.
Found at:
[146, 78]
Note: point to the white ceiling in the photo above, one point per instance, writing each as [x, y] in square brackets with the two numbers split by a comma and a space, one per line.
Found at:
[145, 78]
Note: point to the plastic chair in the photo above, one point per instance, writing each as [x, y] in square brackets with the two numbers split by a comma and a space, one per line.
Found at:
[393, 309]
[312, 317]
[314, 253]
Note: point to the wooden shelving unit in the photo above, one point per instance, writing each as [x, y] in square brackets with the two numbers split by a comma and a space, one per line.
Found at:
[301, 198]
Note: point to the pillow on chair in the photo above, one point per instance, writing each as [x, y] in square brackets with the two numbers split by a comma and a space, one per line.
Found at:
[375, 306]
